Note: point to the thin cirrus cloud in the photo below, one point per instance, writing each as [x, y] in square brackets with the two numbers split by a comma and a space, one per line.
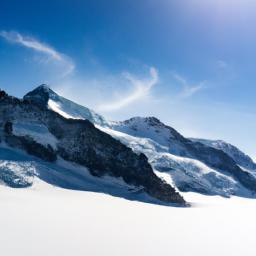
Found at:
[141, 89]
[187, 89]
[33, 44]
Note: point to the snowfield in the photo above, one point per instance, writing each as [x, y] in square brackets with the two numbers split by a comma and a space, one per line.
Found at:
[45, 220]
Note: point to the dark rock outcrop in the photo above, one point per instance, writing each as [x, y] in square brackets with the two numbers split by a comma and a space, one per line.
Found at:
[32, 147]
[13, 180]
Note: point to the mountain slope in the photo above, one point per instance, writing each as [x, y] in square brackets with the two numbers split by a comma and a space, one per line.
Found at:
[20, 170]
[236, 154]
[77, 141]
[178, 145]
[192, 165]
[186, 174]
[47, 98]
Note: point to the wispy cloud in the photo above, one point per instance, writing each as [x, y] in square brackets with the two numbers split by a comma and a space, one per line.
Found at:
[188, 89]
[42, 48]
[141, 89]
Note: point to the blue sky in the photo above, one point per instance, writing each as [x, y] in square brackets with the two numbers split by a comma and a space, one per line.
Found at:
[190, 63]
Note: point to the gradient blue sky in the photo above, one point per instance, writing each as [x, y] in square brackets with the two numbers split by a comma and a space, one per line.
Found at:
[191, 63]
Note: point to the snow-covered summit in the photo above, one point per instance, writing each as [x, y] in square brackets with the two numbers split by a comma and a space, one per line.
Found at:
[152, 128]
[46, 97]
[40, 95]
[44, 88]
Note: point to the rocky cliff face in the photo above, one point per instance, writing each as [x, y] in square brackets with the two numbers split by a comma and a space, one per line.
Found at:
[80, 142]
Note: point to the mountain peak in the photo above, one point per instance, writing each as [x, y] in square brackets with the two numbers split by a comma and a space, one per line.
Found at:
[43, 88]
[45, 97]
[3, 94]
[40, 95]
[151, 120]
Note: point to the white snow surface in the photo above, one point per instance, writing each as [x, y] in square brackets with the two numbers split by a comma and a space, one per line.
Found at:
[36, 131]
[71, 110]
[57, 107]
[45, 220]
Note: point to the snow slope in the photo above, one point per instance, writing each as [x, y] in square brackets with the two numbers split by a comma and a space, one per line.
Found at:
[18, 169]
[152, 128]
[185, 173]
[240, 157]
[36, 131]
[68, 109]
[45, 220]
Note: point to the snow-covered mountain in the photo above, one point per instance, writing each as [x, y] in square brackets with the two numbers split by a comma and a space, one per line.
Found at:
[47, 98]
[193, 166]
[186, 174]
[238, 156]
[188, 164]
[57, 130]
[29, 126]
